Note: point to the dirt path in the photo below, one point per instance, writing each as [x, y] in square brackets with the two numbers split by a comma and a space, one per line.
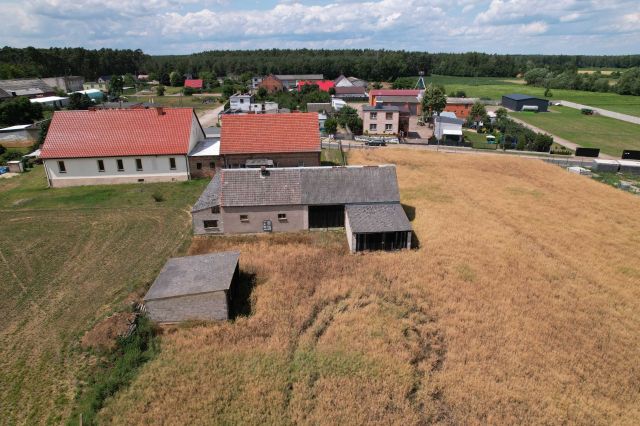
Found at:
[557, 139]
[209, 118]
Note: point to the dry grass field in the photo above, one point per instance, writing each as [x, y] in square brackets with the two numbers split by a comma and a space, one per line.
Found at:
[522, 305]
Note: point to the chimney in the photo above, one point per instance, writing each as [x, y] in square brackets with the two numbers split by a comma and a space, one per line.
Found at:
[160, 110]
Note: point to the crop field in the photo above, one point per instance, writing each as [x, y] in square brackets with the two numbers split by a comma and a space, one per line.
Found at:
[494, 88]
[591, 131]
[68, 258]
[521, 305]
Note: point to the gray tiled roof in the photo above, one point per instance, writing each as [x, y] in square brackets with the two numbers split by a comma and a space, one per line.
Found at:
[247, 187]
[445, 119]
[355, 184]
[210, 196]
[299, 76]
[194, 275]
[364, 218]
[382, 108]
[34, 85]
[301, 185]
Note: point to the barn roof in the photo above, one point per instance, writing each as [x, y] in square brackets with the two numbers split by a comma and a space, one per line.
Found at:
[301, 186]
[191, 275]
[118, 132]
[194, 83]
[521, 97]
[270, 133]
[366, 218]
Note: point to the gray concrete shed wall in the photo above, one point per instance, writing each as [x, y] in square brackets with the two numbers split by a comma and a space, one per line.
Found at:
[297, 218]
[198, 219]
[204, 307]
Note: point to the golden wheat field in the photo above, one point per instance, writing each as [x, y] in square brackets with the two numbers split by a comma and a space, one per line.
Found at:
[521, 305]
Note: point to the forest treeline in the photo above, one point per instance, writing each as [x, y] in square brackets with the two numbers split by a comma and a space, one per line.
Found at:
[372, 65]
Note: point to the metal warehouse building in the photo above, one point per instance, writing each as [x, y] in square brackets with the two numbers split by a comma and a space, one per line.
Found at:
[520, 102]
[194, 288]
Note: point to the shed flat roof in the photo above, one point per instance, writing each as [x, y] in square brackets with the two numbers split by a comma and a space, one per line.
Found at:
[369, 218]
[204, 273]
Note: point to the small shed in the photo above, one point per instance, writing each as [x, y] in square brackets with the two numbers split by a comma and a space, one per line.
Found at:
[520, 102]
[194, 288]
[15, 166]
[377, 227]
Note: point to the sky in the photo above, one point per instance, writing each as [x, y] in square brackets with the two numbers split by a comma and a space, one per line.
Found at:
[187, 26]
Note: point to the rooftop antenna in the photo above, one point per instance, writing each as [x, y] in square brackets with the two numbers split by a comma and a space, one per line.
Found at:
[420, 83]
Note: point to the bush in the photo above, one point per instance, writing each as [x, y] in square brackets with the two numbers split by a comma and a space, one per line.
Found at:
[158, 197]
[188, 91]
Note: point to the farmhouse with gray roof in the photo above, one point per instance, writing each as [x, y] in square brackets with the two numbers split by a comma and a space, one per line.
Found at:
[363, 199]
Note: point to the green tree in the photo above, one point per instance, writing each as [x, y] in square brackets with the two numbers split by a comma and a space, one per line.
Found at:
[262, 93]
[188, 91]
[176, 79]
[478, 112]
[79, 101]
[228, 90]
[19, 111]
[160, 90]
[42, 135]
[116, 85]
[433, 100]
[331, 125]
[165, 79]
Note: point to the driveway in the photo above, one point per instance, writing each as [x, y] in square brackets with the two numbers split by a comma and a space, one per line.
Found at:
[209, 117]
[612, 114]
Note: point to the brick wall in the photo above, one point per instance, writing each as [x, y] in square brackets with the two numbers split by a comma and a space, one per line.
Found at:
[205, 169]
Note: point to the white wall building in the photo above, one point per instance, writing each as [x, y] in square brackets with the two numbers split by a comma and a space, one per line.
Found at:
[241, 102]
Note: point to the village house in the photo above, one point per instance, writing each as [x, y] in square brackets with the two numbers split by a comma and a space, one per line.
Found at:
[194, 288]
[351, 93]
[448, 128]
[290, 81]
[343, 81]
[405, 99]
[94, 85]
[240, 102]
[461, 107]
[280, 140]
[323, 85]
[28, 87]
[364, 200]
[381, 119]
[196, 84]
[271, 83]
[120, 146]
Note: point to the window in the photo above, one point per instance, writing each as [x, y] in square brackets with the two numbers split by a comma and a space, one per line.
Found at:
[282, 217]
[100, 165]
[300, 163]
[210, 224]
[139, 164]
[388, 126]
[61, 167]
[120, 165]
[389, 116]
[373, 115]
[373, 127]
[172, 163]
[244, 218]
[199, 166]
[212, 165]
[241, 100]
[215, 209]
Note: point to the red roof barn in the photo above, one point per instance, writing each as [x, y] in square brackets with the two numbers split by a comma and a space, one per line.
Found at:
[285, 140]
[194, 83]
[323, 85]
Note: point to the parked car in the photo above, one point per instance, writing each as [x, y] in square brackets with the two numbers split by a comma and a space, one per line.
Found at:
[376, 142]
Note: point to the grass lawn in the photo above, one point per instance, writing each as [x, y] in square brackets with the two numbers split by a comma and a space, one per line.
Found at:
[494, 88]
[68, 258]
[479, 140]
[590, 131]
[333, 157]
[174, 101]
[521, 305]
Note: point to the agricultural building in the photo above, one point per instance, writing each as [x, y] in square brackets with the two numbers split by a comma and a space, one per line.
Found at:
[194, 288]
[362, 199]
[519, 102]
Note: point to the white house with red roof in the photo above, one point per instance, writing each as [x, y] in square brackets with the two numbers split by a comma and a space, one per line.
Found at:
[113, 146]
[272, 140]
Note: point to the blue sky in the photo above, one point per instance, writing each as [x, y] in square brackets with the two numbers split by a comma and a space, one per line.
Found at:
[185, 26]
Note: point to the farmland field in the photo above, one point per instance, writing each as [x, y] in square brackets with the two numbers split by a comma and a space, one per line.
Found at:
[68, 258]
[591, 131]
[494, 88]
[521, 305]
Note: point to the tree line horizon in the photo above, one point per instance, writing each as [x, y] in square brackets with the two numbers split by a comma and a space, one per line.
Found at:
[368, 64]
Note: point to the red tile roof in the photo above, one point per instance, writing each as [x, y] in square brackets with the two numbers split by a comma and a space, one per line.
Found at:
[395, 92]
[324, 85]
[196, 83]
[269, 133]
[118, 133]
